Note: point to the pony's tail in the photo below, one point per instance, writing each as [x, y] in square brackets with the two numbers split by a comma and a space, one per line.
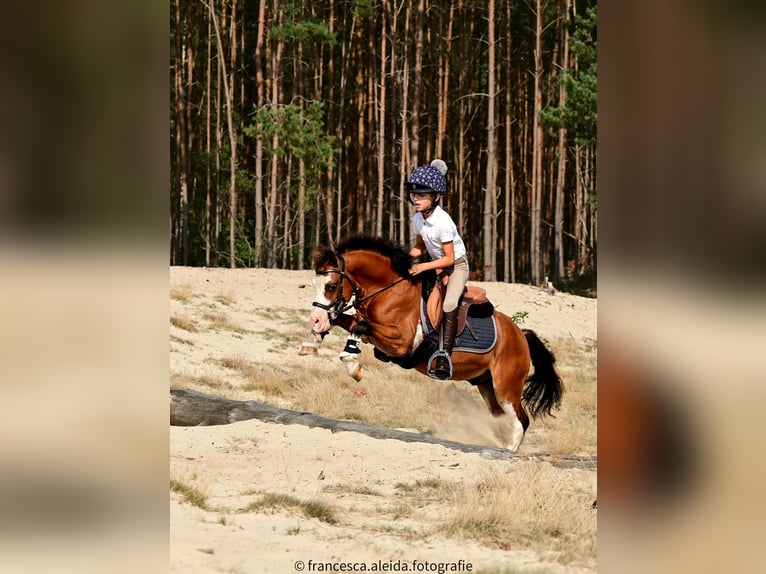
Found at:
[543, 389]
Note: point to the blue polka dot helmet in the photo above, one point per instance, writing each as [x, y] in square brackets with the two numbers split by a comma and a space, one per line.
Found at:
[429, 178]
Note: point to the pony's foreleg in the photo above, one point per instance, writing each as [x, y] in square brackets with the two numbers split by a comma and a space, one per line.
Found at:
[310, 345]
[350, 357]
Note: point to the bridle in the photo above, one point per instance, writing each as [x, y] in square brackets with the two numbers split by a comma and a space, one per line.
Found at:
[340, 305]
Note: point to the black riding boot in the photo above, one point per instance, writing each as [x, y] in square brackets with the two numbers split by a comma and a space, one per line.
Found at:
[449, 326]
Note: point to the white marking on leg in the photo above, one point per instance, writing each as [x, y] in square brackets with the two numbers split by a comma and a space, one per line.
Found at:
[419, 336]
[517, 434]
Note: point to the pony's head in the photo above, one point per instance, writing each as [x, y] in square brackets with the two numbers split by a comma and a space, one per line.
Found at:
[334, 289]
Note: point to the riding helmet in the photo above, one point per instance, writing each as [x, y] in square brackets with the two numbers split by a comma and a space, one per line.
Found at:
[429, 178]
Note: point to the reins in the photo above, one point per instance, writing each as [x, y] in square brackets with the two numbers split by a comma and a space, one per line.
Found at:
[379, 291]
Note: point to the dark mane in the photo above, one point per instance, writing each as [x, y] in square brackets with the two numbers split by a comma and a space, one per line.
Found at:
[399, 256]
[323, 256]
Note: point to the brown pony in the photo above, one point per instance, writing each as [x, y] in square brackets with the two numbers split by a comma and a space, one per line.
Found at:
[364, 286]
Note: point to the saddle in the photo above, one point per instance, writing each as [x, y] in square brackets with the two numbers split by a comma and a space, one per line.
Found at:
[472, 296]
[481, 332]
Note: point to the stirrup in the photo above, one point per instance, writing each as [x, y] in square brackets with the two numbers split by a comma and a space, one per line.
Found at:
[432, 372]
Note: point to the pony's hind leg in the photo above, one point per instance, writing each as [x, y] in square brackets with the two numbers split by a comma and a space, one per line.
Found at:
[487, 392]
[519, 423]
[517, 416]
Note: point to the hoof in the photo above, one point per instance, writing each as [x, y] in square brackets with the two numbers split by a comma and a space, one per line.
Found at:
[354, 371]
[308, 350]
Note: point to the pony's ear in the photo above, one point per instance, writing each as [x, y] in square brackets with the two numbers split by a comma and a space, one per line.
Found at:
[322, 255]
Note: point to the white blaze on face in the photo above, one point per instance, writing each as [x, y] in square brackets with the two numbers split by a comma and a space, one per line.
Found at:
[319, 321]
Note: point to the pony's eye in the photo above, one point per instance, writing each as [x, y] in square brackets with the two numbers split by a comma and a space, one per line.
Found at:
[332, 288]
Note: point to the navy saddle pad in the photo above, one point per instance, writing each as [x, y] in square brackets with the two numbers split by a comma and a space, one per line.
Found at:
[479, 335]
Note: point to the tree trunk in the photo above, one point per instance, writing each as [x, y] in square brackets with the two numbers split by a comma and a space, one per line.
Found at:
[360, 191]
[404, 236]
[461, 131]
[301, 211]
[380, 106]
[490, 214]
[326, 190]
[260, 83]
[208, 148]
[286, 215]
[417, 87]
[181, 140]
[301, 207]
[537, 154]
[218, 207]
[189, 133]
[345, 52]
[562, 153]
[276, 70]
[587, 250]
[444, 74]
[228, 103]
[509, 219]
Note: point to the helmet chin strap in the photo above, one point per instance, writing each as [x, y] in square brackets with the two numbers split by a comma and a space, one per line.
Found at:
[427, 212]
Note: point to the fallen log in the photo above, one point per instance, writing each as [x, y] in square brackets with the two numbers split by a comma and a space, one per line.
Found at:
[192, 408]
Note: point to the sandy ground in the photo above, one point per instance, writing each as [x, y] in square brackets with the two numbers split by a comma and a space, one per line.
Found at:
[234, 464]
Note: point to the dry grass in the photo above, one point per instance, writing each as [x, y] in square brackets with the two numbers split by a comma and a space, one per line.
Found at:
[201, 383]
[350, 489]
[311, 508]
[534, 506]
[181, 341]
[190, 494]
[183, 322]
[391, 399]
[287, 328]
[226, 298]
[182, 293]
[238, 362]
[220, 321]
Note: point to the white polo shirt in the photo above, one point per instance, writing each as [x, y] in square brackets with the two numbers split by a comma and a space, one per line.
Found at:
[437, 229]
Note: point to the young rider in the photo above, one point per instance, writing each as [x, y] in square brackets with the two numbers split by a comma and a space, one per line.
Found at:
[438, 235]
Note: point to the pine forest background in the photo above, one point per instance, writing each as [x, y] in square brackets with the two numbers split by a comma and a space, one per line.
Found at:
[295, 123]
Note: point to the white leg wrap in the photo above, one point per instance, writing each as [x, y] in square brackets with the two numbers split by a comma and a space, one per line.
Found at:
[350, 357]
